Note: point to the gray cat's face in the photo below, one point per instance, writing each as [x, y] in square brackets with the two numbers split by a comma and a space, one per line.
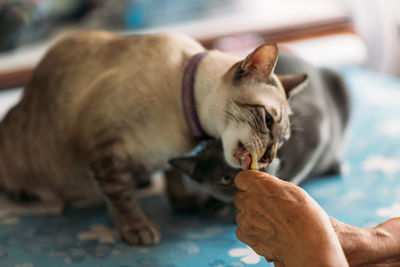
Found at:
[209, 169]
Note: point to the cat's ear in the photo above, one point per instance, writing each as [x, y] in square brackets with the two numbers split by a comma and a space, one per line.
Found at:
[293, 83]
[186, 165]
[260, 63]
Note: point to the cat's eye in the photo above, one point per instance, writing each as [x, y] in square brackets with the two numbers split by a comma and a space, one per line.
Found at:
[225, 180]
[268, 120]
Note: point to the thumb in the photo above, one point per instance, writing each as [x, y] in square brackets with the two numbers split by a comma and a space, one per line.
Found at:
[277, 264]
[247, 178]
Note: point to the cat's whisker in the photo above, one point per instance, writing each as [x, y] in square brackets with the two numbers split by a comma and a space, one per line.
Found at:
[219, 106]
[253, 123]
[244, 113]
[238, 109]
[249, 146]
[298, 119]
[298, 134]
[226, 112]
[297, 131]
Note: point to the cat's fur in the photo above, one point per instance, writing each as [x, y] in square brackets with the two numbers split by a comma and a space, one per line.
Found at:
[321, 112]
[103, 111]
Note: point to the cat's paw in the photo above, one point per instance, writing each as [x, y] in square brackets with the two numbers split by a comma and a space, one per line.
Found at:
[144, 233]
[186, 203]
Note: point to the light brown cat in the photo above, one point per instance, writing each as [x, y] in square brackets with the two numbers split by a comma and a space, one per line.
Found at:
[103, 111]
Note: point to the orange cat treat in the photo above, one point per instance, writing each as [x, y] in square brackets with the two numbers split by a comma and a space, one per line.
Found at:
[254, 161]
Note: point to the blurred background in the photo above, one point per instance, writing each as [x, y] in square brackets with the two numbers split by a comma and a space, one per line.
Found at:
[325, 32]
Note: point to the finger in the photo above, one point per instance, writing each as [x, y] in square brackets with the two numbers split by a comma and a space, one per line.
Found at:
[252, 212]
[246, 200]
[248, 178]
[263, 230]
[262, 224]
[255, 244]
[238, 199]
[243, 222]
[268, 259]
[244, 179]
[249, 240]
[278, 264]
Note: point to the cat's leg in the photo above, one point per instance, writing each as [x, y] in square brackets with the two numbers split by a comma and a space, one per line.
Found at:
[180, 197]
[113, 168]
[142, 178]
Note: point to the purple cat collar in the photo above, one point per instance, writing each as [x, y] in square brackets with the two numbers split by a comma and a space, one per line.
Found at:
[188, 101]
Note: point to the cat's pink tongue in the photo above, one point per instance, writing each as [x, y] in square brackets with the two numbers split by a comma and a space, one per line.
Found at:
[246, 162]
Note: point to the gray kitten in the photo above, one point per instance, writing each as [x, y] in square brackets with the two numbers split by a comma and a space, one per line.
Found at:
[321, 112]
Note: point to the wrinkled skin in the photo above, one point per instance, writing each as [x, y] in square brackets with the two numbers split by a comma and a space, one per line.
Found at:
[281, 222]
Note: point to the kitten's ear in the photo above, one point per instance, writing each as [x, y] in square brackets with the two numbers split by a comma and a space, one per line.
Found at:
[293, 83]
[261, 62]
[186, 165]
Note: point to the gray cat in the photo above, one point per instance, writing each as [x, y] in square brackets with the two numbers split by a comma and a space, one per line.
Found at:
[321, 112]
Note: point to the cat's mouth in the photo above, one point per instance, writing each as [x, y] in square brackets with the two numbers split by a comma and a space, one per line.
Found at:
[243, 156]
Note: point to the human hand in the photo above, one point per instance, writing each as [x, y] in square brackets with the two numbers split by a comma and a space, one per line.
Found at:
[281, 222]
[377, 246]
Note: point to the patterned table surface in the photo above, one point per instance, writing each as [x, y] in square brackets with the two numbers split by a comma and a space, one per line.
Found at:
[367, 193]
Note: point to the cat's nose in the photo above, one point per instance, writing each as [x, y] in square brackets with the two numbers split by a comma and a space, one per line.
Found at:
[269, 154]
